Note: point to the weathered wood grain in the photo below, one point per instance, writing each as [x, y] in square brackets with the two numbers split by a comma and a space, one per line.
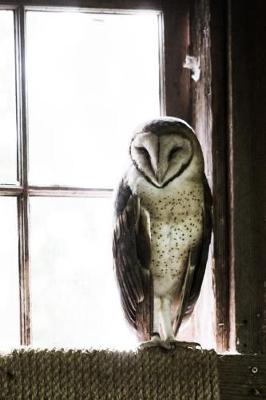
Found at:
[98, 4]
[176, 44]
[246, 46]
[242, 377]
[208, 39]
[201, 99]
[220, 149]
[229, 114]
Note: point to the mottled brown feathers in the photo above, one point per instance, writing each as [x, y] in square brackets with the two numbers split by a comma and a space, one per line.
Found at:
[131, 263]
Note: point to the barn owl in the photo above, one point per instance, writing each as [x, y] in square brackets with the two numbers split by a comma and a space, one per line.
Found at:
[162, 229]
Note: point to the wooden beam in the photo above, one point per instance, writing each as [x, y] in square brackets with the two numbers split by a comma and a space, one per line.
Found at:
[97, 4]
[242, 377]
[177, 78]
[219, 146]
[208, 46]
[247, 184]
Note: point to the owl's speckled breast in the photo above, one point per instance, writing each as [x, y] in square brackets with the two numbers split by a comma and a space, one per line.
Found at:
[175, 227]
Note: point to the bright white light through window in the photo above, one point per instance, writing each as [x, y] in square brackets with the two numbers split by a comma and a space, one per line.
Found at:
[91, 79]
[9, 286]
[8, 166]
[75, 301]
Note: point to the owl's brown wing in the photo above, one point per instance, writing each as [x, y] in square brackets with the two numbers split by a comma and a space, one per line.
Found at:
[196, 263]
[131, 252]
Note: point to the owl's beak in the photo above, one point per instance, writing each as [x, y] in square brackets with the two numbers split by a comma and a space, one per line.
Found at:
[160, 173]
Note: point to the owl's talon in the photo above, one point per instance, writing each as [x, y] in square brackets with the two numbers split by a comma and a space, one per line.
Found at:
[175, 344]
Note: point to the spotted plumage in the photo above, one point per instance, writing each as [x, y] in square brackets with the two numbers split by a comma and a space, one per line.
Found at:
[162, 228]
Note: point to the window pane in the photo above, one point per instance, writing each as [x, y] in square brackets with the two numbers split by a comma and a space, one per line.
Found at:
[9, 282]
[75, 302]
[91, 79]
[8, 163]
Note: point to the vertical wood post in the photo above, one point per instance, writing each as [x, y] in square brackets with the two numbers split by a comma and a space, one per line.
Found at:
[208, 46]
[248, 185]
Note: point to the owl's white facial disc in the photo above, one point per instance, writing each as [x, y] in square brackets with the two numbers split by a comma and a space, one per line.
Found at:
[161, 158]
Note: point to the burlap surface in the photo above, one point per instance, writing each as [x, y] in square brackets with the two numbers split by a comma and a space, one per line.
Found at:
[149, 374]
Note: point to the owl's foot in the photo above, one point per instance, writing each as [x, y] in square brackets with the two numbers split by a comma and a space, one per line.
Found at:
[154, 342]
[169, 344]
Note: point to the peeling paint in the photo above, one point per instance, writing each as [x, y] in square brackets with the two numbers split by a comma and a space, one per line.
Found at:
[193, 63]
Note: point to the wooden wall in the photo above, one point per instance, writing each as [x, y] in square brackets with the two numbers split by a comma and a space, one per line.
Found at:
[247, 122]
[228, 108]
[229, 112]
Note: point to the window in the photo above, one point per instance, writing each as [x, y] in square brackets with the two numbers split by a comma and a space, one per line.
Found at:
[75, 83]
[89, 78]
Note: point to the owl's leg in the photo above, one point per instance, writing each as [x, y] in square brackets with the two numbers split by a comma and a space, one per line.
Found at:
[156, 332]
[170, 342]
[167, 326]
[162, 335]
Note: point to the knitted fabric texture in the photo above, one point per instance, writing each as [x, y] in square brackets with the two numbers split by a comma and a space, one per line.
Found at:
[148, 374]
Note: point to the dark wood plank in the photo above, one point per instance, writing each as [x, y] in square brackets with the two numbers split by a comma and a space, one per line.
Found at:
[108, 4]
[208, 38]
[176, 44]
[238, 92]
[242, 377]
[247, 185]
[222, 270]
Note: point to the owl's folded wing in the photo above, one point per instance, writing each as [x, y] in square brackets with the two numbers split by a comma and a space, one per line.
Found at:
[131, 252]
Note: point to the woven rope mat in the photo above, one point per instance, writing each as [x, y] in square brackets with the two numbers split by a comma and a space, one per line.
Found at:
[149, 374]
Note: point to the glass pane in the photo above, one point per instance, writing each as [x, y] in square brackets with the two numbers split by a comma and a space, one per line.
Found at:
[8, 161]
[75, 302]
[91, 79]
[9, 280]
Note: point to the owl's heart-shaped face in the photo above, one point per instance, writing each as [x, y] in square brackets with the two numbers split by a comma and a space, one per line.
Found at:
[161, 157]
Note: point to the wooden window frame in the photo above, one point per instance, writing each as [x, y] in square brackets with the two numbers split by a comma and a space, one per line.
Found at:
[202, 29]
